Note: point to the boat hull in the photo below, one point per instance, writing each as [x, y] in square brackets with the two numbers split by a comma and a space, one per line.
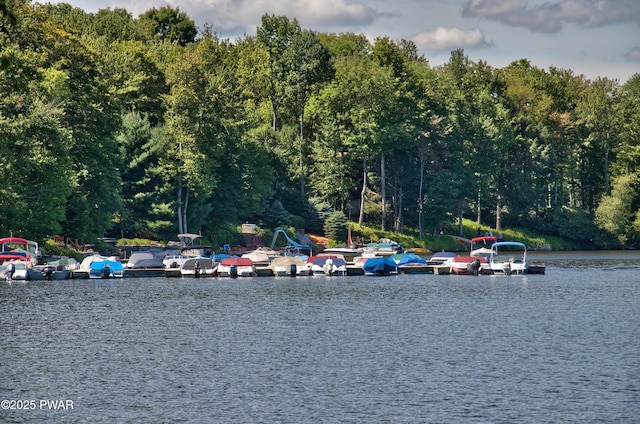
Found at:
[240, 271]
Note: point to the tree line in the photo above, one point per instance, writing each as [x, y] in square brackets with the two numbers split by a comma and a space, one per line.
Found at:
[120, 126]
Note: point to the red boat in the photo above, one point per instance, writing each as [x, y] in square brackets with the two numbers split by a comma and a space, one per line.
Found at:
[18, 249]
[478, 260]
[236, 267]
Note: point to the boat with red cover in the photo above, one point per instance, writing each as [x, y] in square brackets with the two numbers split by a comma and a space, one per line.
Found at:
[18, 249]
[477, 262]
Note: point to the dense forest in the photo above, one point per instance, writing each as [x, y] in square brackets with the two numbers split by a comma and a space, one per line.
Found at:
[120, 126]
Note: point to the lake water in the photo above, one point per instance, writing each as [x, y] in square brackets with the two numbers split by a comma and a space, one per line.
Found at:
[563, 347]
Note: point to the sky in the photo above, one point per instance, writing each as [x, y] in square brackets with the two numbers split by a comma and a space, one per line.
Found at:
[594, 38]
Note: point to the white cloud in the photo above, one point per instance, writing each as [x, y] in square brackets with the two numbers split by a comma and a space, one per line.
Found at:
[492, 8]
[445, 39]
[633, 54]
[550, 16]
[238, 16]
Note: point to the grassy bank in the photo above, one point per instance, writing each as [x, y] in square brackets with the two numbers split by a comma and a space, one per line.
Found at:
[369, 234]
[447, 240]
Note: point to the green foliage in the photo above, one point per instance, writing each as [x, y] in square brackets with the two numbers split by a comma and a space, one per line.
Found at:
[569, 224]
[316, 212]
[131, 126]
[345, 44]
[531, 238]
[617, 214]
[168, 24]
[369, 234]
[335, 226]
[137, 242]
[35, 161]
[275, 216]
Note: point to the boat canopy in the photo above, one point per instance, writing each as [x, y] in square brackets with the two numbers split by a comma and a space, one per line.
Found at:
[517, 244]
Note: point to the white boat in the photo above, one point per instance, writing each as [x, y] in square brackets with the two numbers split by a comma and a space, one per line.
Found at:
[508, 257]
[289, 266]
[194, 250]
[198, 267]
[327, 265]
[385, 247]
[20, 270]
[261, 259]
[477, 262]
[58, 269]
[98, 266]
[235, 266]
[55, 272]
[143, 264]
[183, 264]
[410, 263]
[441, 262]
[108, 268]
[357, 266]
[347, 253]
[173, 264]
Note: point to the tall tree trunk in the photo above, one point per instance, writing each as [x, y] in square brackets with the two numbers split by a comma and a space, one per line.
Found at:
[383, 191]
[364, 189]
[607, 149]
[179, 201]
[302, 149]
[397, 223]
[420, 200]
[181, 227]
[274, 108]
[184, 211]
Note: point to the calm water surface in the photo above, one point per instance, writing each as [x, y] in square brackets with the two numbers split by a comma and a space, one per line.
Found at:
[557, 348]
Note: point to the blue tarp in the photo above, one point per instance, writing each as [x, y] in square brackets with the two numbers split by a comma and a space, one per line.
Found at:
[113, 265]
[408, 258]
[218, 257]
[381, 265]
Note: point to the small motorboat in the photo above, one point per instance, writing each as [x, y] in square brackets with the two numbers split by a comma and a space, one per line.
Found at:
[235, 266]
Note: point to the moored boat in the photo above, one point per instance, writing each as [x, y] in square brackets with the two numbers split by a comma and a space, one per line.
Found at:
[19, 249]
[198, 267]
[144, 264]
[291, 266]
[345, 252]
[235, 266]
[261, 261]
[477, 262]
[410, 263]
[20, 270]
[173, 264]
[441, 262]
[357, 266]
[469, 265]
[59, 269]
[107, 268]
[508, 257]
[327, 265]
[84, 269]
[380, 266]
[385, 247]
